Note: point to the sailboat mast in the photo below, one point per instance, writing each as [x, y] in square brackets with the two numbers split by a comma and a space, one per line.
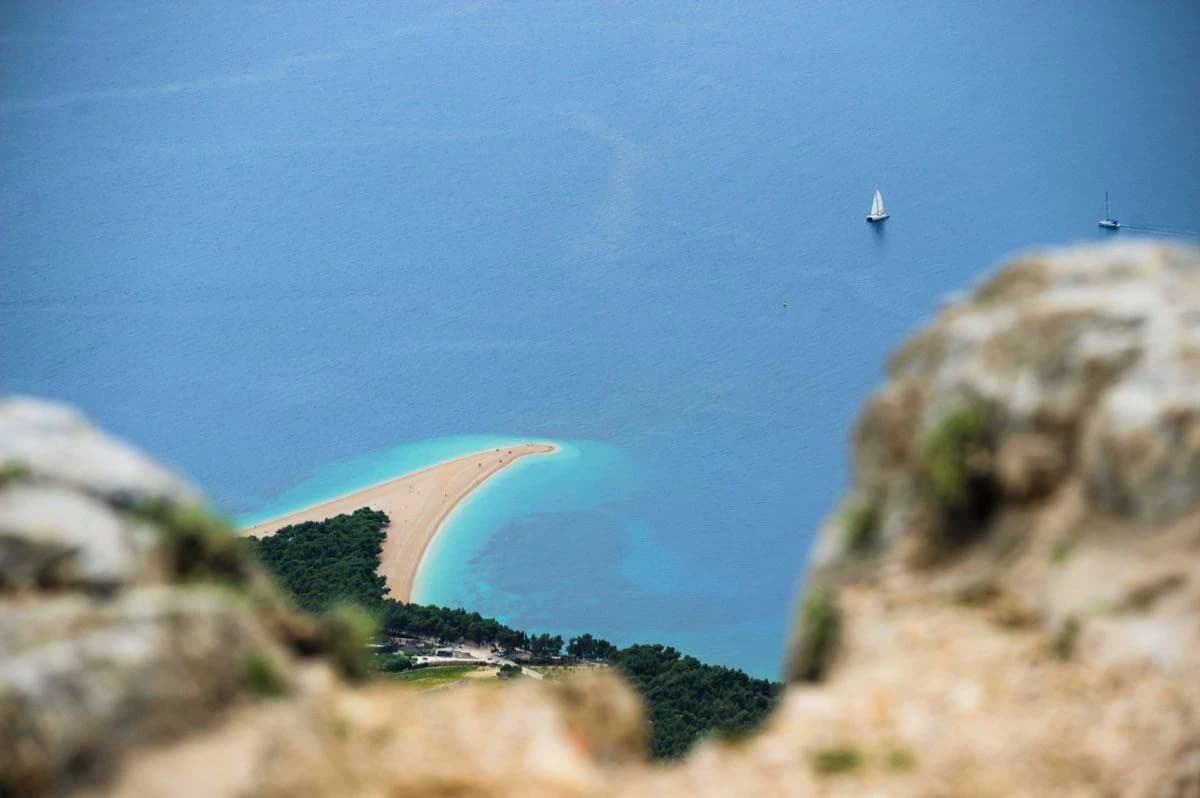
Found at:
[1106, 214]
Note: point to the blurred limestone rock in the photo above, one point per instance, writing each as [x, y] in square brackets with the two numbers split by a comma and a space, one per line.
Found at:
[1014, 572]
[1028, 465]
[1077, 368]
[54, 443]
[1140, 452]
[54, 537]
[82, 680]
[102, 645]
[523, 739]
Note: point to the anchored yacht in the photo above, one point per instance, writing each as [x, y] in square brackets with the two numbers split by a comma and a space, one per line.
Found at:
[1108, 222]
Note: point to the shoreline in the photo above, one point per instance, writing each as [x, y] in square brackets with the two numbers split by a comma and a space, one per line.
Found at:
[417, 504]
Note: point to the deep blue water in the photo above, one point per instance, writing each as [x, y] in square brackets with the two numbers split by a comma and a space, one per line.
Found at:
[272, 245]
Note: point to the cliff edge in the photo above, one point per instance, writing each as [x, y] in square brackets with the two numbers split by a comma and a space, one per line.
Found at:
[1009, 592]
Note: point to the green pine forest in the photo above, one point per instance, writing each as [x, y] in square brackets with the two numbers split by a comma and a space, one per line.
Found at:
[333, 562]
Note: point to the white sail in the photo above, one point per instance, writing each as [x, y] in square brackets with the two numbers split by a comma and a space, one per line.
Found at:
[877, 204]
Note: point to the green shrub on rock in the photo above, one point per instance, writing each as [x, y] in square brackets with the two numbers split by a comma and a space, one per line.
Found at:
[263, 675]
[12, 472]
[946, 462]
[347, 631]
[1065, 639]
[954, 473]
[900, 760]
[197, 543]
[837, 759]
[860, 527]
[816, 638]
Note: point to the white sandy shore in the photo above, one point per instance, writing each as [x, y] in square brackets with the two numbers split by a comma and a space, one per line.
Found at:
[416, 503]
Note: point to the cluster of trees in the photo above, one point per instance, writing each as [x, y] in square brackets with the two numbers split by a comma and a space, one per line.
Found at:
[593, 648]
[687, 699]
[323, 563]
[334, 561]
[393, 663]
[444, 623]
[543, 646]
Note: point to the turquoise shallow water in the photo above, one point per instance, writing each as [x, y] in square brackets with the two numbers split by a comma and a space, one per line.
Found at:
[581, 476]
[293, 253]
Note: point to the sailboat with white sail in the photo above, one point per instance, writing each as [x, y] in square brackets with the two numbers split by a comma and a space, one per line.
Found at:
[878, 212]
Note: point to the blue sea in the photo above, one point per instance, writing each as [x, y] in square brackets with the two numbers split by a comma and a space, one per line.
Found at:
[296, 248]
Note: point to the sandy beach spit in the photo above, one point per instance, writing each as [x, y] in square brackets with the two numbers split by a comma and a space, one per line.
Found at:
[416, 503]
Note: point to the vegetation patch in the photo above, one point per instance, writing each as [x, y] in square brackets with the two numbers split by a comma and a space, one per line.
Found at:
[347, 631]
[860, 527]
[687, 699]
[817, 637]
[1061, 551]
[393, 663]
[946, 457]
[900, 760]
[262, 675]
[1066, 638]
[324, 563]
[198, 544]
[1143, 597]
[954, 472]
[978, 593]
[837, 760]
[13, 472]
[433, 677]
[591, 648]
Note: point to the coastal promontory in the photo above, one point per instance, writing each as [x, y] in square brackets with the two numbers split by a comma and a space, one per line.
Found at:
[417, 504]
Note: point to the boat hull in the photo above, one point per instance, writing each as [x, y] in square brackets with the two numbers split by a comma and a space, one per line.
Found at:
[879, 218]
[1110, 224]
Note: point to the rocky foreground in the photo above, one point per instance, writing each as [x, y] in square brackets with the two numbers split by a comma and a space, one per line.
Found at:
[1005, 603]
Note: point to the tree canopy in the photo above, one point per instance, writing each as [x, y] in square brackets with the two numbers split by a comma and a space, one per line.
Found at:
[322, 563]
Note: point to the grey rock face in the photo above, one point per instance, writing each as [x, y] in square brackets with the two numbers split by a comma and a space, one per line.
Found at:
[99, 651]
[1059, 401]
[1140, 450]
[82, 679]
[54, 443]
[1086, 363]
[52, 537]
